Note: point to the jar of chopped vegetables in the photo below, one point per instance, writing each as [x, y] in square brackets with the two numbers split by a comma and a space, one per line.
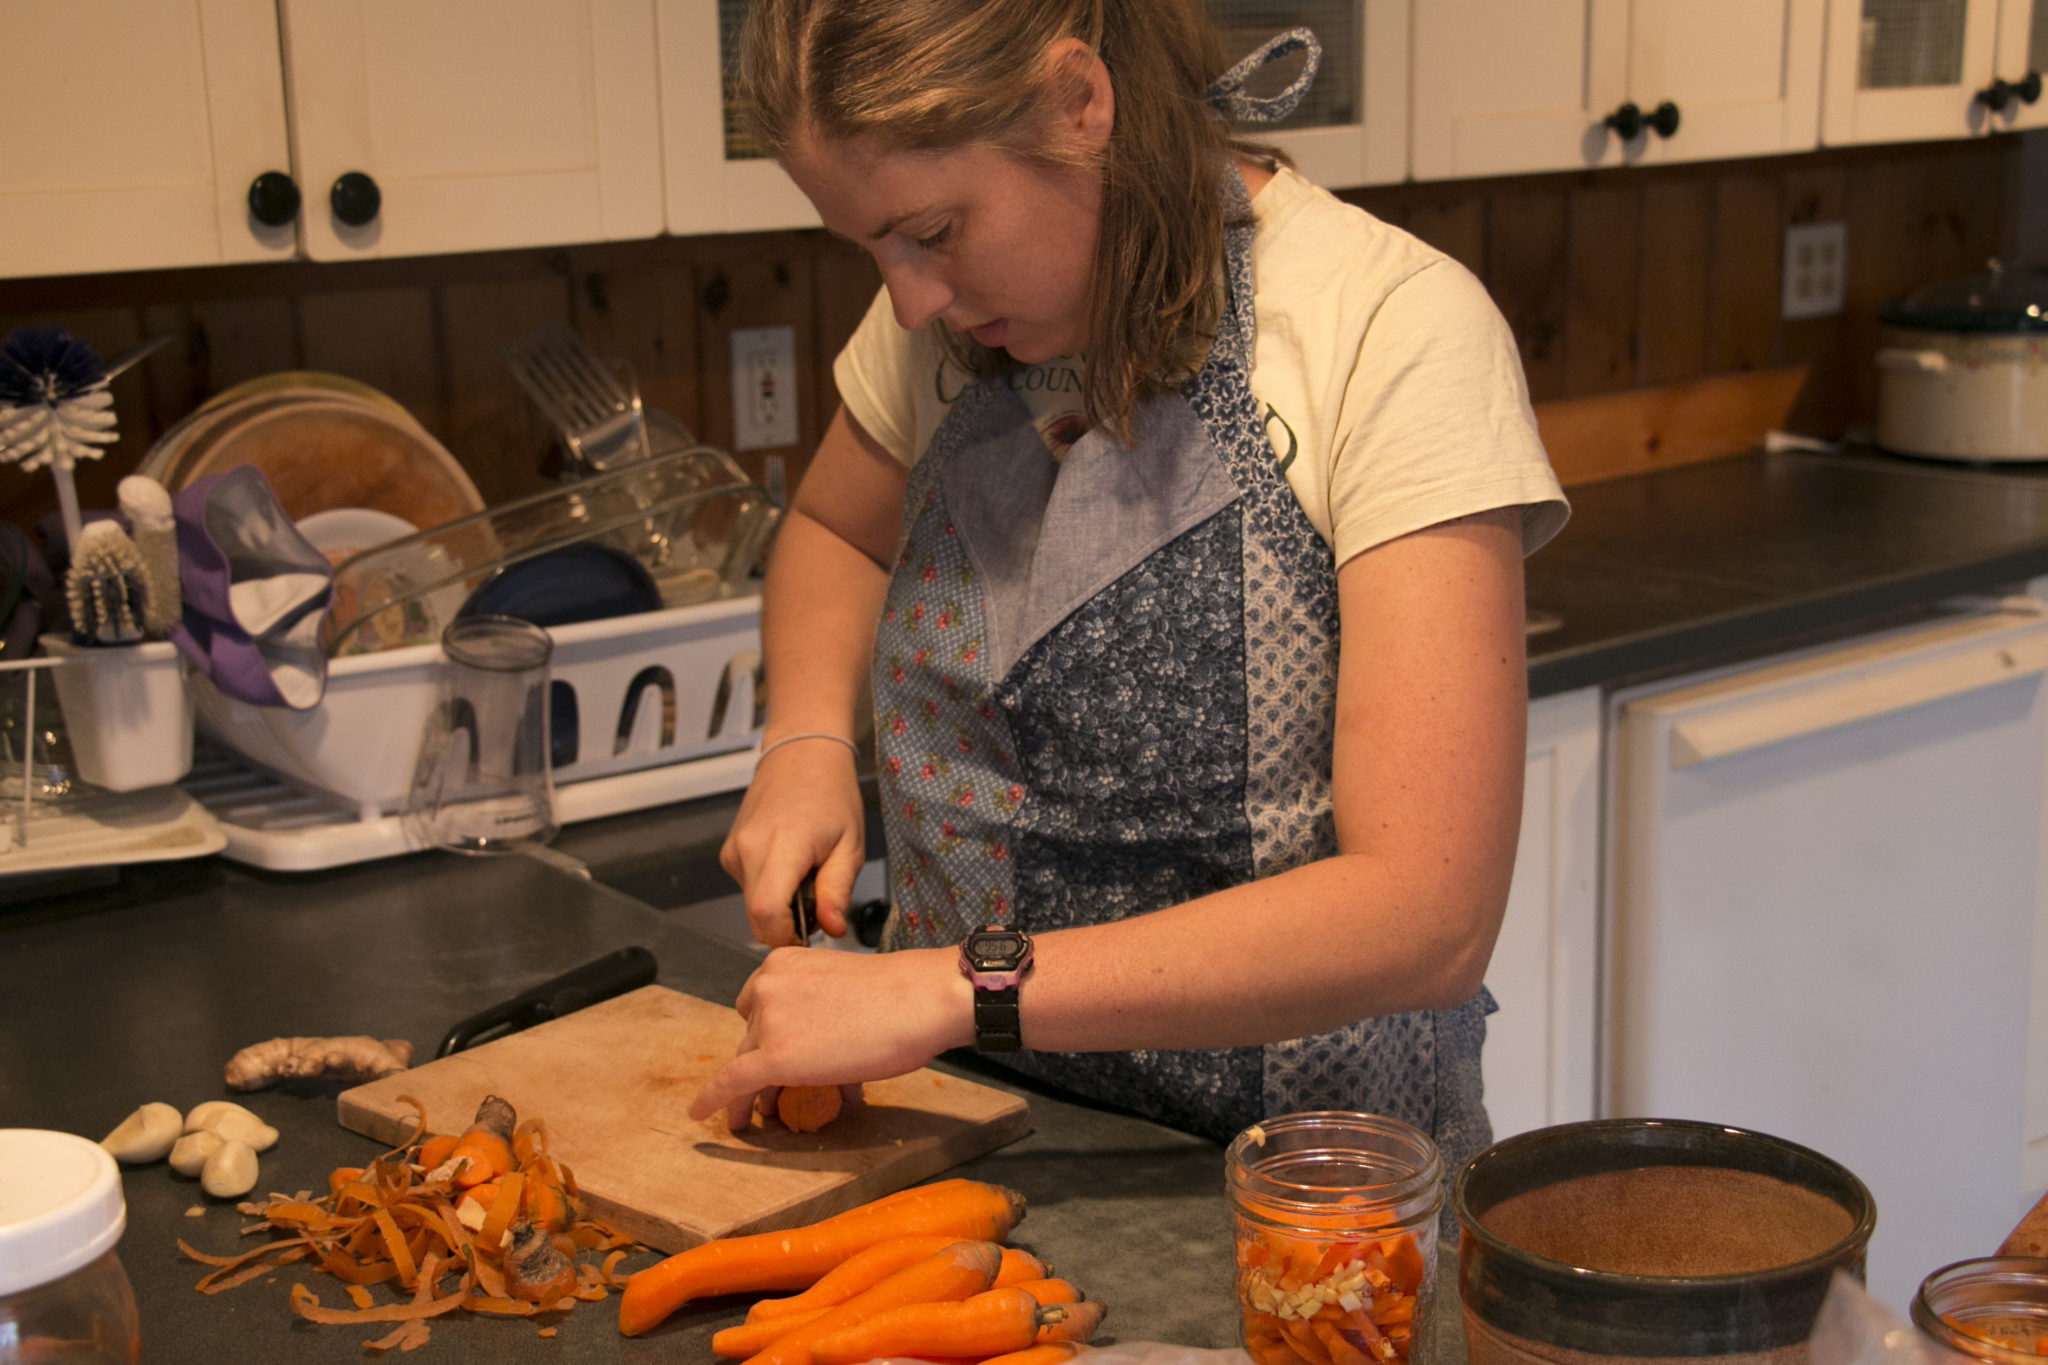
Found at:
[1994, 1308]
[1336, 1220]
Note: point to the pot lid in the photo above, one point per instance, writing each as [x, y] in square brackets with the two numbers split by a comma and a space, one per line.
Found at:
[2002, 299]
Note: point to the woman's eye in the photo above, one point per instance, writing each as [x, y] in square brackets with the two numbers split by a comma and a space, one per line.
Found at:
[936, 239]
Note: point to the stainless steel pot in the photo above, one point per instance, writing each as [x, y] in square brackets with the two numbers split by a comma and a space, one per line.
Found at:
[1962, 373]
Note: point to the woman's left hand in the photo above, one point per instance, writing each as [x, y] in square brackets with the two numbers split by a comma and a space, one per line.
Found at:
[817, 1016]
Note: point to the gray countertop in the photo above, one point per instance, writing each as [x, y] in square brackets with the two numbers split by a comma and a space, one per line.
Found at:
[140, 987]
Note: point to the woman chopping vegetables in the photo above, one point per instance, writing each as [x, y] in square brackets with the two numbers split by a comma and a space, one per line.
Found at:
[1178, 510]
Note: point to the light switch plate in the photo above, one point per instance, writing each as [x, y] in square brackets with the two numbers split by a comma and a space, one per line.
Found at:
[763, 388]
[1816, 260]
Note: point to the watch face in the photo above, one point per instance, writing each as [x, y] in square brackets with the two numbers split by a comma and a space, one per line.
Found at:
[995, 951]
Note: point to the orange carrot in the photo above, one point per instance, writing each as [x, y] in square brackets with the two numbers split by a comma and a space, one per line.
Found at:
[1049, 1292]
[993, 1323]
[1077, 1323]
[958, 1271]
[751, 1338]
[485, 1151]
[870, 1267]
[342, 1175]
[798, 1257]
[1047, 1353]
[807, 1108]
[436, 1150]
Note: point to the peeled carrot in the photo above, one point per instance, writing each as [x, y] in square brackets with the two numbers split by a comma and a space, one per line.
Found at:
[485, 1150]
[950, 1275]
[1045, 1353]
[798, 1257]
[1049, 1292]
[751, 1338]
[436, 1150]
[993, 1323]
[1077, 1323]
[807, 1108]
[870, 1267]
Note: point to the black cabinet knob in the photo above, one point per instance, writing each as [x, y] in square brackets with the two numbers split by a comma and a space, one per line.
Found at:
[1629, 120]
[2001, 92]
[273, 199]
[355, 198]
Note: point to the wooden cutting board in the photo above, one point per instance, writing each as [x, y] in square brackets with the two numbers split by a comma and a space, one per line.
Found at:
[613, 1083]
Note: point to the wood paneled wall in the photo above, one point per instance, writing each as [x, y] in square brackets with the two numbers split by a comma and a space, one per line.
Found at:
[1612, 280]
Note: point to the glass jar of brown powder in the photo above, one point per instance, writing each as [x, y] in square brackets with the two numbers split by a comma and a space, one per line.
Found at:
[1336, 1227]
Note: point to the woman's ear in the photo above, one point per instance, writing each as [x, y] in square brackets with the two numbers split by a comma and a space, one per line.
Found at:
[1081, 87]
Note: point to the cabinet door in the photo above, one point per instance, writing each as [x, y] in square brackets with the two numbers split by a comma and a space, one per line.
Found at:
[2014, 97]
[1352, 127]
[1899, 70]
[1539, 1063]
[1743, 76]
[134, 129]
[716, 180]
[477, 123]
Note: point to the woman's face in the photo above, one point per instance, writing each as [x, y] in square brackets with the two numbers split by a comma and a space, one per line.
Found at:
[997, 248]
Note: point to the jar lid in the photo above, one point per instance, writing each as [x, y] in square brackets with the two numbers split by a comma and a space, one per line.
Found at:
[61, 1206]
[2002, 299]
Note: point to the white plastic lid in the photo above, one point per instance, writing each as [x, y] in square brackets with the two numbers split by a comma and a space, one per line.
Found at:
[61, 1207]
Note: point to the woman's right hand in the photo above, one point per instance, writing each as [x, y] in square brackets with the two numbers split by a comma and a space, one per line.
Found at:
[801, 812]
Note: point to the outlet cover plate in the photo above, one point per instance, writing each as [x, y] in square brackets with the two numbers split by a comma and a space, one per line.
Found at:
[763, 388]
[1816, 260]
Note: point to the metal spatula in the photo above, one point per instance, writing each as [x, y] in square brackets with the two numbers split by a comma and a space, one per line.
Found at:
[597, 414]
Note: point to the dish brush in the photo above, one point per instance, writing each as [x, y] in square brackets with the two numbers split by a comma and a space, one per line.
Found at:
[105, 586]
[155, 528]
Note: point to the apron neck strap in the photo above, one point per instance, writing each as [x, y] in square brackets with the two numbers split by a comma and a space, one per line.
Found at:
[1226, 96]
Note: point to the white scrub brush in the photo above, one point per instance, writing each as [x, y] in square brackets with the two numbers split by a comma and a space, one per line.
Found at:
[148, 509]
[105, 586]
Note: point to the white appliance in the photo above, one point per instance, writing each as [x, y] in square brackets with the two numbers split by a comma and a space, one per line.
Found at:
[1822, 903]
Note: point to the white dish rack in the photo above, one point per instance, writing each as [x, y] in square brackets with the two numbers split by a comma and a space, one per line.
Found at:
[666, 707]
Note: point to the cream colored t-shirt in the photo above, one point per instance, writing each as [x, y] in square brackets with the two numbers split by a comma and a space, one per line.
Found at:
[1392, 390]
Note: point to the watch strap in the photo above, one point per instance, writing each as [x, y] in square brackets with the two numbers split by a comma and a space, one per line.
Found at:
[998, 1023]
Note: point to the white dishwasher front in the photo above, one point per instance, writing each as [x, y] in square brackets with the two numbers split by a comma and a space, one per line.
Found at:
[1822, 897]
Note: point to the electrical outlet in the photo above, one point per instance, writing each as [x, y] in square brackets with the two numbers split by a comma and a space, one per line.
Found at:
[1816, 259]
[763, 388]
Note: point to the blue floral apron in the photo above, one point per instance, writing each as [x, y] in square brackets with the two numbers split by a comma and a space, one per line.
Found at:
[1106, 685]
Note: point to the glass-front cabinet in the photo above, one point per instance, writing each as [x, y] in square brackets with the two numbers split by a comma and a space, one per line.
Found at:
[1899, 70]
[714, 180]
[1504, 87]
[1352, 127]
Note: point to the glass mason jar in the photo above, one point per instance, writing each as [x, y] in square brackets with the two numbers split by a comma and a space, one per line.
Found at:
[1336, 1228]
[64, 1298]
[1994, 1308]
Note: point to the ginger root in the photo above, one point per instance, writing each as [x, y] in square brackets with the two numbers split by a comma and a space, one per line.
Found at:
[356, 1058]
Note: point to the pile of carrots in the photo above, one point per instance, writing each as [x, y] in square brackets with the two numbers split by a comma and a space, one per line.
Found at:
[488, 1208]
[1312, 1301]
[919, 1273]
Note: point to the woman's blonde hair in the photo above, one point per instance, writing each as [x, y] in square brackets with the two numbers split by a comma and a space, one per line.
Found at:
[936, 75]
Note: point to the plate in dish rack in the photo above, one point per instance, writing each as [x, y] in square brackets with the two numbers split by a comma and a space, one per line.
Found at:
[154, 825]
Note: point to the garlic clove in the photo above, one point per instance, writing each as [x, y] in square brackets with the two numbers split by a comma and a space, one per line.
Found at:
[207, 1113]
[230, 1172]
[145, 1135]
[189, 1156]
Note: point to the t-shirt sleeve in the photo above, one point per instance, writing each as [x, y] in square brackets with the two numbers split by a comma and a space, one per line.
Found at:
[877, 372]
[1435, 421]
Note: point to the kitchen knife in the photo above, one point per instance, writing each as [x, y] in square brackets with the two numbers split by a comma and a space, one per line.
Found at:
[613, 974]
[803, 908]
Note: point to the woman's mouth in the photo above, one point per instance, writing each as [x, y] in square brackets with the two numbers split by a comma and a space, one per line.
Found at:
[991, 334]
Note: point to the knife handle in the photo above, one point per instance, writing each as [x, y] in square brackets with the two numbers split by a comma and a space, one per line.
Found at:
[613, 974]
[803, 908]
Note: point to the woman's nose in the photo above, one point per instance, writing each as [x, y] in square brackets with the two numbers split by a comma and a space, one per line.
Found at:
[917, 296]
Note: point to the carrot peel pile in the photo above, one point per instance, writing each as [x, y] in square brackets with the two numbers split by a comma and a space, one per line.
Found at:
[1346, 1302]
[400, 1221]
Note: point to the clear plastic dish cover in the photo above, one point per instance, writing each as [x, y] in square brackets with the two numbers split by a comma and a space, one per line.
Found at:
[2002, 299]
[688, 513]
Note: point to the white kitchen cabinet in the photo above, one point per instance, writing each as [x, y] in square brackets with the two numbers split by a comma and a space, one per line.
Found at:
[715, 181]
[1503, 87]
[425, 126]
[1899, 70]
[1825, 915]
[135, 129]
[1351, 128]
[2013, 98]
[1539, 1064]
